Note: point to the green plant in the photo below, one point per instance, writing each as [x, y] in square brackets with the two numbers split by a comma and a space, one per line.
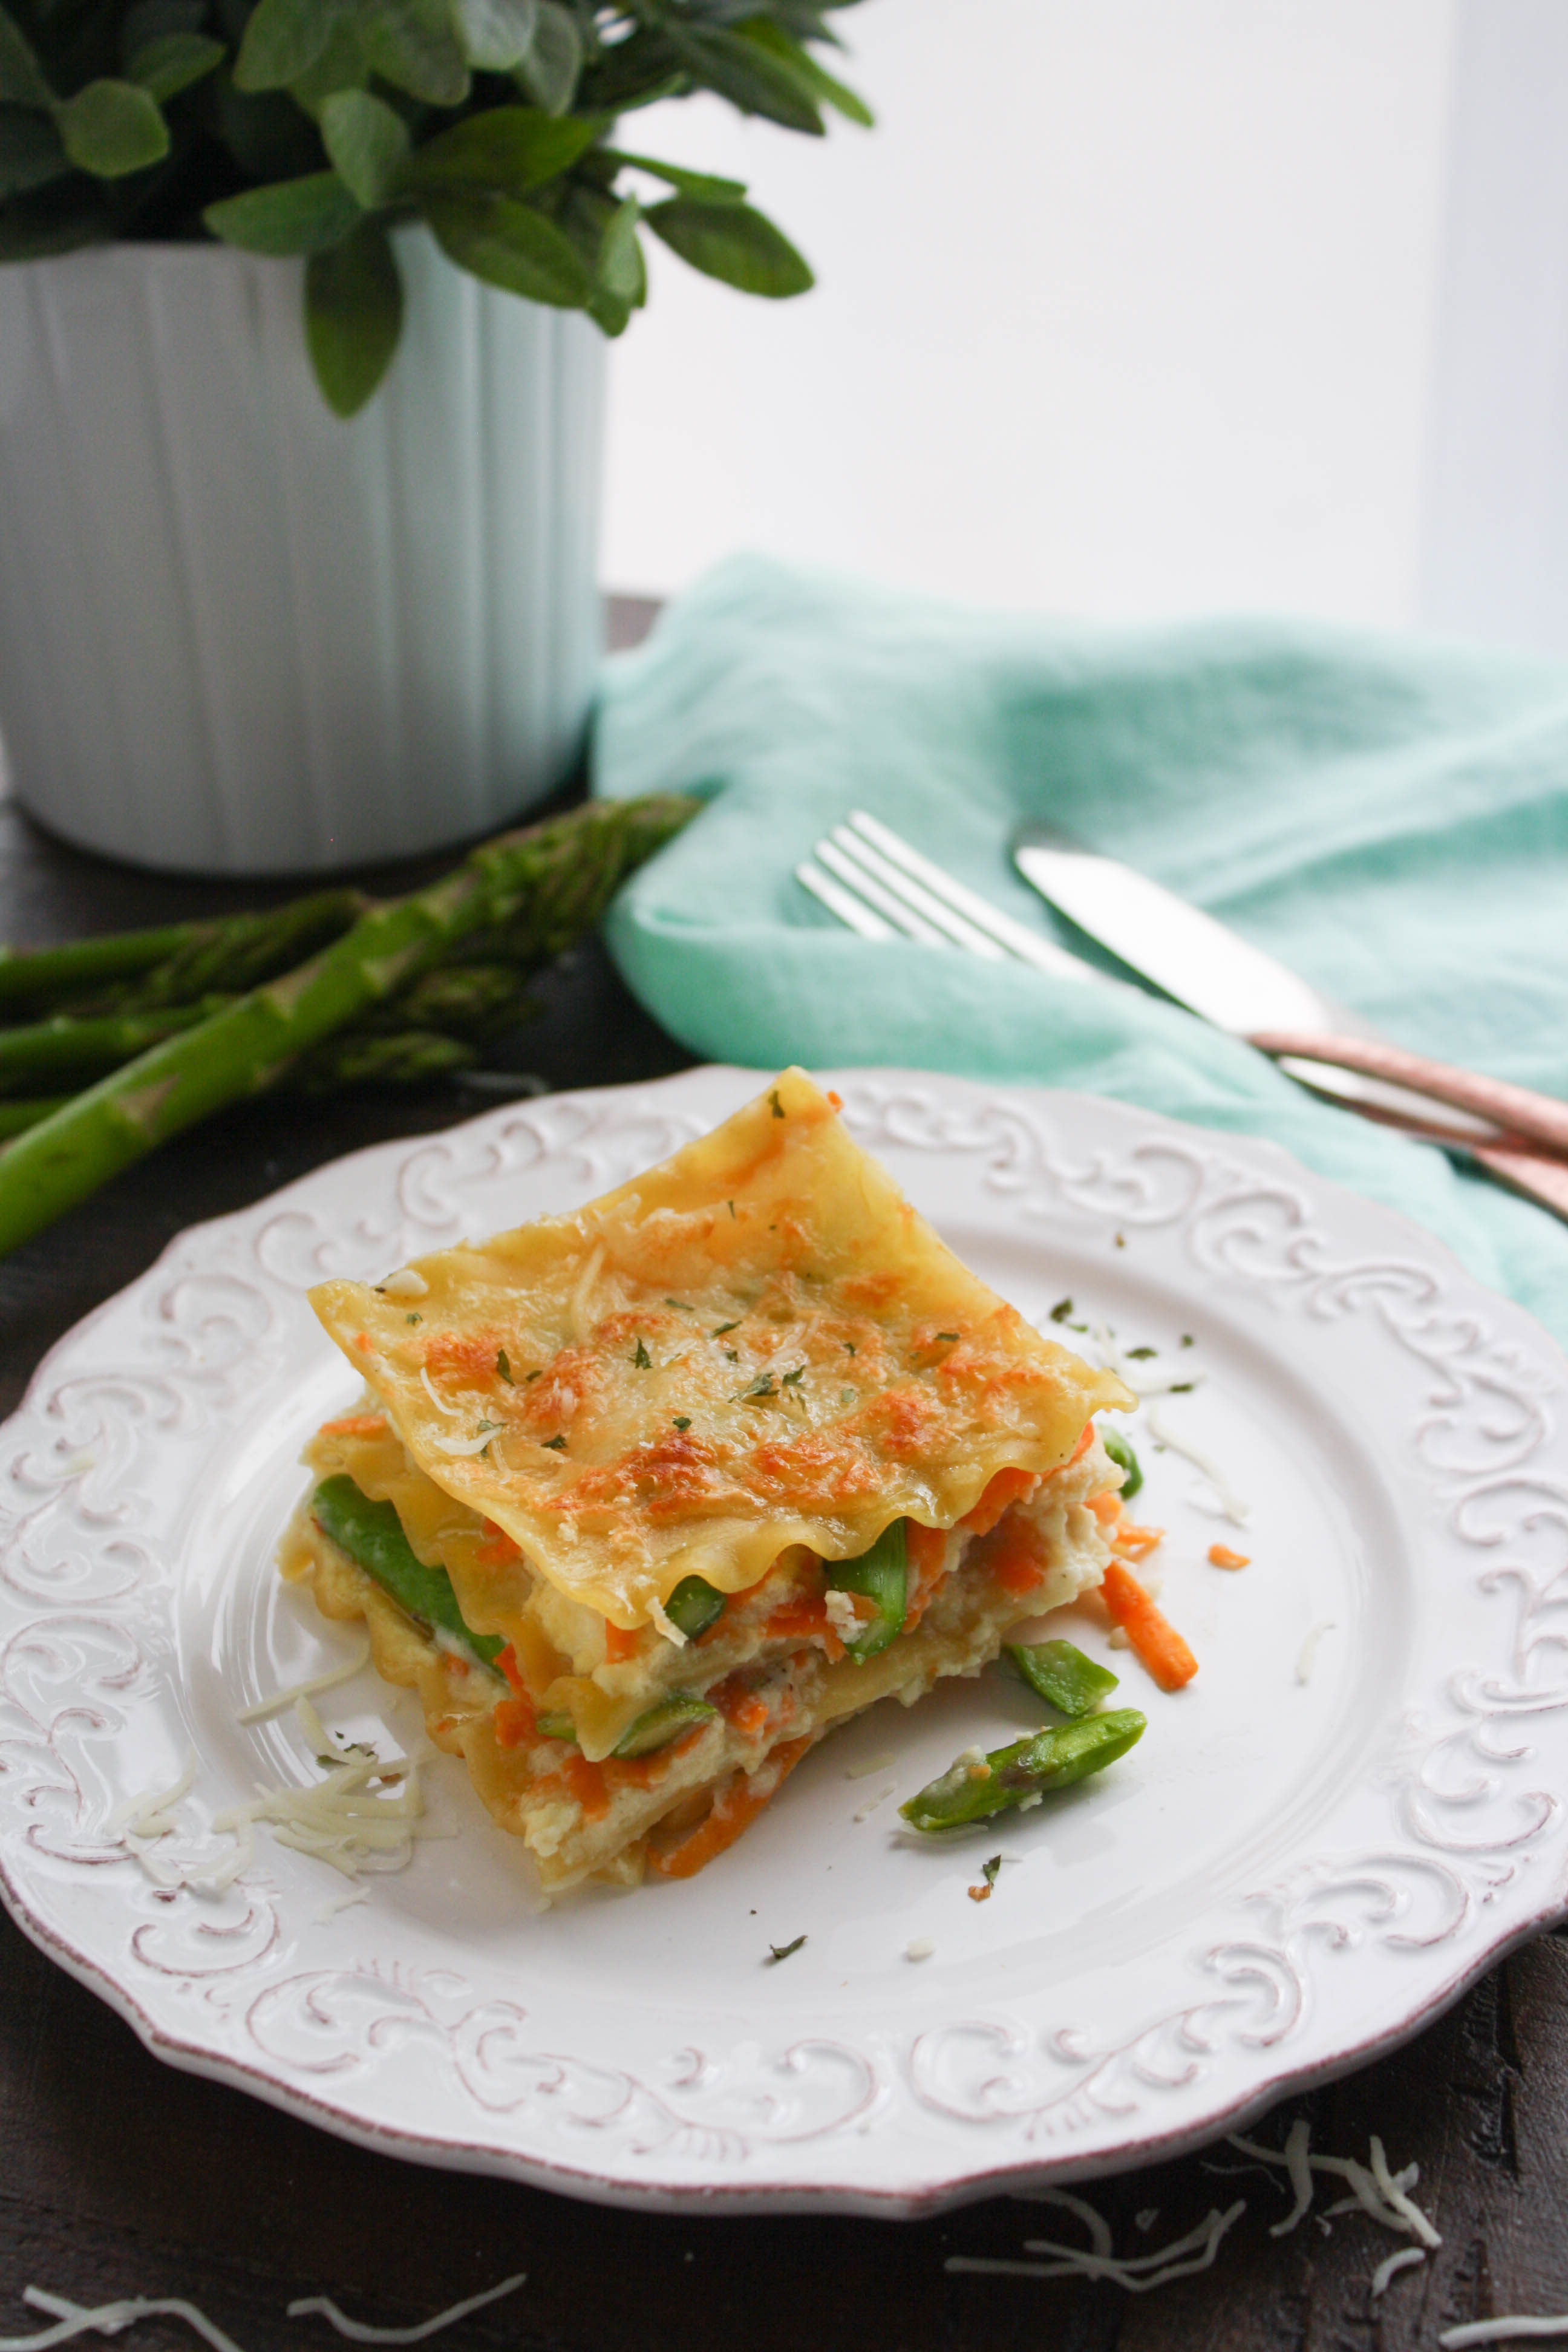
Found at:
[316, 127]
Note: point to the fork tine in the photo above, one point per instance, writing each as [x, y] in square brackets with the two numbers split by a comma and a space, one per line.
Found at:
[1015, 938]
[850, 910]
[933, 910]
[902, 918]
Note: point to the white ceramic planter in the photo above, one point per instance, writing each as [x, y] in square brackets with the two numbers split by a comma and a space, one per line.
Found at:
[239, 635]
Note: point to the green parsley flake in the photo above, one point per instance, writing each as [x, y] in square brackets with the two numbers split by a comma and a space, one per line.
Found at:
[1181, 1388]
[763, 1386]
[846, 1396]
[685, 1305]
[720, 1328]
[554, 1444]
[533, 1376]
[731, 1206]
[1061, 1310]
[778, 1113]
[642, 1359]
[793, 1379]
[1140, 1355]
[951, 1337]
[988, 1869]
[414, 1319]
[782, 1951]
[683, 1421]
[503, 1368]
[1187, 1339]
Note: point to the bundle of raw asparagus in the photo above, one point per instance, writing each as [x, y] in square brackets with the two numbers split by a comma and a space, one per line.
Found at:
[159, 1028]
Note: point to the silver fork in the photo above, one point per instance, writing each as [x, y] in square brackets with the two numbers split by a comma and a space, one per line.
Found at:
[876, 884]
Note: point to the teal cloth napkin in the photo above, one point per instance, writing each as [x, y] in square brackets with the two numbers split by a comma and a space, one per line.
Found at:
[1388, 815]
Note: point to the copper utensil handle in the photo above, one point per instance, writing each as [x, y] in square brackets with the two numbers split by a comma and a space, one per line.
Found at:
[1539, 1178]
[1519, 1110]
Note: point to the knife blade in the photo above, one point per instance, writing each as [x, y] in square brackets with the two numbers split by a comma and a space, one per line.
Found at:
[1223, 979]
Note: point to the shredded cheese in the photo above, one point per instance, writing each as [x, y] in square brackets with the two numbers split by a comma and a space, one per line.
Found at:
[920, 1949]
[1501, 2331]
[147, 1815]
[307, 1689]
[869, 1807]
[108, 2318]
[1308, 1657]
[406, 1283]
[665, 1625]
[1298, 2165]
[877, 1764]
[336, 1821]
[357, 2331]
[1391, 2264]
[578, 1312]
[465, 1446]
[1383, 2195]
[1136, 2273]
[452, 1412]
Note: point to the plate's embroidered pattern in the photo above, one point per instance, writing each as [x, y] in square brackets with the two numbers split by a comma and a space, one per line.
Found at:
[1454, 1845]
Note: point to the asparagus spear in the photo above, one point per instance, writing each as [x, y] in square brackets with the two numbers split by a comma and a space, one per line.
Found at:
[138, 971]
[62, 1047]
[1060, 1674]
[693, 1606]
[663, 1722]
[15, 1117]
[976, 1788]
[546, 883]
[1121, 1454]
[881, 1575]
[372, 1534]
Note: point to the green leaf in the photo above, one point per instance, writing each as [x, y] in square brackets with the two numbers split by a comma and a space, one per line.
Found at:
[509, 245]
[342, 65]
[734, 243]
[174, 61]
[354, 316]
[30, 152]
[698, 187]
[149, 20]
[511, 148]
[413, 44]
[793, 54]
[747, 76]
[550, 71]
[367, 143]
[282, 40]
[621, 270]
[495, 35]
[305, 216]
[22, 81]
[113, 128]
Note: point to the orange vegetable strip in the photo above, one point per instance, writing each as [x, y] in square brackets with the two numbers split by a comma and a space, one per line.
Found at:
[802, 1621]
[926, 1550]
[1154, 1637]
[1007, 1488]
[1221, 1557]
[514, 1721]
[355, 1424]
[733, 1812]
[619, 1644]
[586, 1782]
[507, 1662]
[1015, 1561]
[1081, 1448]
[1138, 1540]
[1107, 1507]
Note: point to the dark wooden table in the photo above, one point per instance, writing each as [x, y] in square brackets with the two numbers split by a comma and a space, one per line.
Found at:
[118, 2176]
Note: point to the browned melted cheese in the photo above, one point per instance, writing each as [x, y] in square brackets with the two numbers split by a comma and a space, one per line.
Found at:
[757, 1344]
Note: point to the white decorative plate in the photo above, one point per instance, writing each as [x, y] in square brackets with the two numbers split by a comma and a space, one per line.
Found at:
[1286, 1876]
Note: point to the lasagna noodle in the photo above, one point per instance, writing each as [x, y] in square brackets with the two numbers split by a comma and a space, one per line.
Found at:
[757, 1345]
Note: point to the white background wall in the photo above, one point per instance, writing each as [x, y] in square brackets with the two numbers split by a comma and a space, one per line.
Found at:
[1126, 307]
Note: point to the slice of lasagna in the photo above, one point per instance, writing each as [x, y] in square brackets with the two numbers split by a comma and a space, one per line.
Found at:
[644, 1500]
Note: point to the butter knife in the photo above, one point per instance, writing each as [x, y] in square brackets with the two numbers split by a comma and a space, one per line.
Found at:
[1239, 987]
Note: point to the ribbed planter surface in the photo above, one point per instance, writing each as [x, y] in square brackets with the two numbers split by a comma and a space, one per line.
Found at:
[239, 635]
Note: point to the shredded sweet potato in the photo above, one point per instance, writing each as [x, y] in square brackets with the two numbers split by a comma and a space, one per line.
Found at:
[1156, 1641]
[734, 1810]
